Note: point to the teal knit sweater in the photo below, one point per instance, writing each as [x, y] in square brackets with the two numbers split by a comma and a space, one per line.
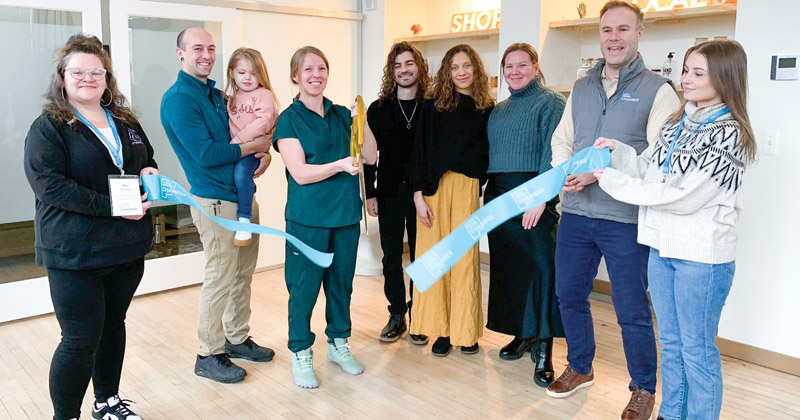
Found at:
[520, 129]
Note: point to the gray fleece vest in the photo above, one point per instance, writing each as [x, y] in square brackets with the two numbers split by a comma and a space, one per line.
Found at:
[623, 117]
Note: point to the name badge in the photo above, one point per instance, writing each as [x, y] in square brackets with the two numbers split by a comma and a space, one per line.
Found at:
[125, 197]
[652, 218]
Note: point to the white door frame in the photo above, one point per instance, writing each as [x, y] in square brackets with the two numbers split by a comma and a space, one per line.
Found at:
[31, 297]
[91, 16]
[120, 10]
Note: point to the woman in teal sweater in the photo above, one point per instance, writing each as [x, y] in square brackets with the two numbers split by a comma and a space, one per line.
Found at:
[522, 299]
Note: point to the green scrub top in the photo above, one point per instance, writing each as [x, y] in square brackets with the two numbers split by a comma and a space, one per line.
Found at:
[332, 202]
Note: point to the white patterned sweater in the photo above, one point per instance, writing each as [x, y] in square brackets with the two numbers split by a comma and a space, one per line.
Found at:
[692, 214]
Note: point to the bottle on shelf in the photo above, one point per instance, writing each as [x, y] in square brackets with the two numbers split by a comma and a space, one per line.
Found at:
[668, 70]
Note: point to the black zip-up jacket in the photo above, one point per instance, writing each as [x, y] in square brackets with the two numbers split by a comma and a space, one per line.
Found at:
[67, 167]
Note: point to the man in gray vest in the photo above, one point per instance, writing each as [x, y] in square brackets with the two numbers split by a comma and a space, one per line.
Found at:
[619, 99]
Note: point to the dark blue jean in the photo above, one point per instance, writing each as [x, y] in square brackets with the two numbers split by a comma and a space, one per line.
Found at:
[688, 298]
[581, 241]
[245, 186]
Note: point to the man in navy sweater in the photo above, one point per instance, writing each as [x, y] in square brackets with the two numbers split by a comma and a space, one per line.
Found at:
[196, 122]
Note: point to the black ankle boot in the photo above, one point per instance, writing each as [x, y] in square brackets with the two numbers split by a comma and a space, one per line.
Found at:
[542, 357]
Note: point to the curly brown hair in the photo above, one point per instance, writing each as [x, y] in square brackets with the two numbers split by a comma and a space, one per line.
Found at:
[443, 91]
[57, 106]
[389, 85]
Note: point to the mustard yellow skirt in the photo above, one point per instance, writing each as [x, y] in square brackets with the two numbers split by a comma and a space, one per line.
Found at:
[452, 306]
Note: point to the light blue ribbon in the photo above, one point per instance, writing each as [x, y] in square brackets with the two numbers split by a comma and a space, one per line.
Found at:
[429, 267]
[160, 187]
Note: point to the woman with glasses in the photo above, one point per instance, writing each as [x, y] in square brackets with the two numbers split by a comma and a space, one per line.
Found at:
[94, 261]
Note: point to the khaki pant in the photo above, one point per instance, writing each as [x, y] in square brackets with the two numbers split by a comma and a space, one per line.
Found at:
[452, 306]
[228, 273]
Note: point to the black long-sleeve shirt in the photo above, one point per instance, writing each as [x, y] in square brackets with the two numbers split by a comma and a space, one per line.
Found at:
[449, 141]
[68, 167]
[394, 129]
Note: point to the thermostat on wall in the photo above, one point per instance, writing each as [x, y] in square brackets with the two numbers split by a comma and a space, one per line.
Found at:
[784, 67]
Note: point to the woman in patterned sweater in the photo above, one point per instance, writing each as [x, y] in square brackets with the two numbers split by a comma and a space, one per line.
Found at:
[687, 184]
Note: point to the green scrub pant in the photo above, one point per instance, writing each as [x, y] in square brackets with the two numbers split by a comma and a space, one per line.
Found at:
[304, 278]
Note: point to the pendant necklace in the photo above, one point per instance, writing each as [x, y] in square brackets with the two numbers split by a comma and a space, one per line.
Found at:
[408, 120]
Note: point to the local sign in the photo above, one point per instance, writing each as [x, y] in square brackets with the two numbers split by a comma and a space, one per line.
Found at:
[475, 21]
[662, 5]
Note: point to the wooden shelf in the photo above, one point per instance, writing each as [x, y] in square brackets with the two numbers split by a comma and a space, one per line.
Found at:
[651, 17]
[456, 35]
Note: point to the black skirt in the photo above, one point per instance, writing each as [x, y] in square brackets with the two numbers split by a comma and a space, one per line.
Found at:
[522, 293]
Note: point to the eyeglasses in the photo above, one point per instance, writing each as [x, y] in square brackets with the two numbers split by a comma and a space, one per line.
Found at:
[80, 74]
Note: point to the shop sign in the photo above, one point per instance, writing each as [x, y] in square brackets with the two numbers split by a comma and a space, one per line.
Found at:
[662, 5]
[475, 21]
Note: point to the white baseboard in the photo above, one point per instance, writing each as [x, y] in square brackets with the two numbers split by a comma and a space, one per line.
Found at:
[27, 298]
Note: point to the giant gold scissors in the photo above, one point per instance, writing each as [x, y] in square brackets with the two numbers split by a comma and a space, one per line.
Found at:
[356, 142]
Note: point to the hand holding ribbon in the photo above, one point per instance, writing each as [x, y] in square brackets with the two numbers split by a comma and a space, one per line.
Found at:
[429, 267]
[160, 187]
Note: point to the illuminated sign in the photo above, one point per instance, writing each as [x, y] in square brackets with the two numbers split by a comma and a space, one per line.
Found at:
[475, 21]
[662, 5]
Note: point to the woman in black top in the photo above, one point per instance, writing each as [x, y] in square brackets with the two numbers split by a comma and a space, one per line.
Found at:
[94, 261]
[449, 158]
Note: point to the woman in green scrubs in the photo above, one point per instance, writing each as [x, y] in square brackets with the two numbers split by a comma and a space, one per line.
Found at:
[323, 210]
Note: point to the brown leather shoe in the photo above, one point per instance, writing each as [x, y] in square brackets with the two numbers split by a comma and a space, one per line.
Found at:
[569, 382]
[640, 406]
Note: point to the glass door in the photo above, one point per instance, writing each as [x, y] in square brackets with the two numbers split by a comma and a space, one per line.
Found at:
[38, 29]
[143, 44]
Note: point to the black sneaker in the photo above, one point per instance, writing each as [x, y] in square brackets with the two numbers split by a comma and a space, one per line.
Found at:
[218, 367]
[441, 347]
[394, 329]
[469, 349]
[114, 409]
[249, 350]
[418, 339]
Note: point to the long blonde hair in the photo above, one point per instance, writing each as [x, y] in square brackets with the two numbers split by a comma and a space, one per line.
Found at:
[260, 69]
[444, 92]
[727, 67]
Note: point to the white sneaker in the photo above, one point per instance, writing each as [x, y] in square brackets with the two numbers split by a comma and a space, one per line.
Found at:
[303, 369]
[242, 238]
[339, 353]
[113, 409]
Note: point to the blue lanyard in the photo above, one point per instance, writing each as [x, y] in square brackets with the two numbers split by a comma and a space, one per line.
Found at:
[676, 143]
[115, 148]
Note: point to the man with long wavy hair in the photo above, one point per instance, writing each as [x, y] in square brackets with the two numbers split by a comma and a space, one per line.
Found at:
[391, 119]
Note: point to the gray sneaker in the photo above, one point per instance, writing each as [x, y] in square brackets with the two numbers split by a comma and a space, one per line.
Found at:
[218, 367]
[249, 350]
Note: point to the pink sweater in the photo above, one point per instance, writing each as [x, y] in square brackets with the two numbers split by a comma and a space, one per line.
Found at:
[253, 116]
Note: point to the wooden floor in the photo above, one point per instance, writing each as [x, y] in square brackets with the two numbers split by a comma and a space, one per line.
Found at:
[402, 381]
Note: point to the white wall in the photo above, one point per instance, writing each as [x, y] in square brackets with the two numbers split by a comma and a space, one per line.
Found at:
[434, 17]
[762, 309]
[520, 23]
[347, 5]
[440, 12]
